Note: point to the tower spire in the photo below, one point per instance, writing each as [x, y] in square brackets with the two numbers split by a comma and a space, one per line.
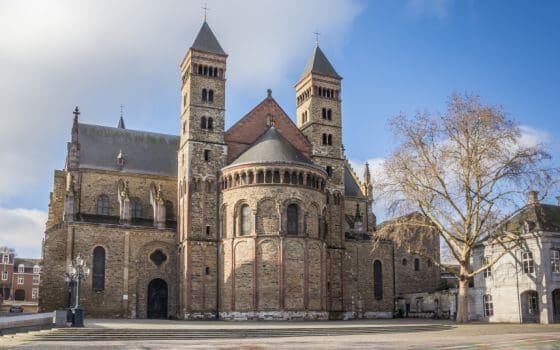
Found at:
[120, 125]
[317, 37]
[206, 9]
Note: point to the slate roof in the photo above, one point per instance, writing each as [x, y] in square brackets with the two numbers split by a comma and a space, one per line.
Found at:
[144, 152]
[351, 187]
[28, 262]
[206, 41]
[319, 64]
[271, 147]
[545, 217]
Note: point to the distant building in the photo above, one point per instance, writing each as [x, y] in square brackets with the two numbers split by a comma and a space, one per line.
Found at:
[524, 285]
[19, 278]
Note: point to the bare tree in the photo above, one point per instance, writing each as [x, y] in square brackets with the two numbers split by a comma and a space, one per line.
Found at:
[463, 172]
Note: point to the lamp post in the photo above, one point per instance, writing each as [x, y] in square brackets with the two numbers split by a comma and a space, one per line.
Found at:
[77, 271]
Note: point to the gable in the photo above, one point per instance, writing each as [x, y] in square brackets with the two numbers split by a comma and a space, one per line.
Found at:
[254, 124]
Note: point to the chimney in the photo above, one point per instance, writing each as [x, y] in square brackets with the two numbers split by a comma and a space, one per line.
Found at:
[533, 198]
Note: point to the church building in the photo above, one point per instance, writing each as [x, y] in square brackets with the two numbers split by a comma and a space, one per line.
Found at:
[264, 220]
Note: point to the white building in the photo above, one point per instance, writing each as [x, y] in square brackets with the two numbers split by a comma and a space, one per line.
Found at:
[524, 285]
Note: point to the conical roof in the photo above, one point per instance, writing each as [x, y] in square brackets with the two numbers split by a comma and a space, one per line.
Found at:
[271, 147]
[319, 64]
[206, 41]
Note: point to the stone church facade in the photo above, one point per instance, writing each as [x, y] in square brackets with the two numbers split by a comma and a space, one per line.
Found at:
[265, 220]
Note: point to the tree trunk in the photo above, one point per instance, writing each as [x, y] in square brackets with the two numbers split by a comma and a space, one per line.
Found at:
[463, 297]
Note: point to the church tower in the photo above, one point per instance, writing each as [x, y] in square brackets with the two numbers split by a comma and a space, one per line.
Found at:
[319, 118]
[202, 153]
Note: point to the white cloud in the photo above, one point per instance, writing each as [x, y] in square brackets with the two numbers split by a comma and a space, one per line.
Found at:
[531, 136]
[99, 54]
[22, 229]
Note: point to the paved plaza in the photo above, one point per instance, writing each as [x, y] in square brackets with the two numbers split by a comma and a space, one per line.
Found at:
[386, 334]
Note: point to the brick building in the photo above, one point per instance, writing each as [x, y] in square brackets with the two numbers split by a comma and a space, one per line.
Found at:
[19, 278]
[265, 220]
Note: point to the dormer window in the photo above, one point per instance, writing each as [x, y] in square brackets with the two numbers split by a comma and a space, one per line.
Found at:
[21, 268]
[36, 269]
[120, 160]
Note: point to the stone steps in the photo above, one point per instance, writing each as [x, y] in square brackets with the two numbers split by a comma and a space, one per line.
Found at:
[104, 334]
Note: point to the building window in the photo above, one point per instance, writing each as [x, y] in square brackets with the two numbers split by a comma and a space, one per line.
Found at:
[169, 215]
[245, 220]
[404, 262]
[329, 140]
[329, 114]
[533, 303]
[206, 155]
[555, 261]
[429, 262]
[293, 216]
[36, 269]
[324, 139]
[324, 113]
[5, 259]
[488, 305]
[204, 95]
[203, 122]
[329, 171]
[207, 270]
[377, 280]
[416, 264]
[210, 96]
[36, 279]
[210, 123]
[4, 275]
[103, 205]
[98, 273]
[488, 271]
[21, 268]
[136, 208]
[20, 280]
[35, 293]
[207, 230]
[528, 263]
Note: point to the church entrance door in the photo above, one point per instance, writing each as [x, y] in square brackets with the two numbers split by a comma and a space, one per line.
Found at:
[157, 299]
[556, 304]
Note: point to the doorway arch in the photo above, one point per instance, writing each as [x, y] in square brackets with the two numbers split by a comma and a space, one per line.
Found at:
[157, 298]
[530, 308]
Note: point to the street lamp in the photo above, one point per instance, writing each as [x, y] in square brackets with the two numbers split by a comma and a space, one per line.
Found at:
[77, 271]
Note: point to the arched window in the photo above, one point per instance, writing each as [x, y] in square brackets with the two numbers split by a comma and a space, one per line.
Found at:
[200, 70]
[169, 215]
[324, 139]
[210, 123]
[136, 207]
[245, 220]
[329, 170]
[103, 205]
[416, 264]
[21, 268]
[377, 280]
[329, 139]
[203, 123]
[329, 114]
[211, 96]
[293, 218]
[488, 305]
[404, 262]
[204, 95]
[324, 113]
[98, 273]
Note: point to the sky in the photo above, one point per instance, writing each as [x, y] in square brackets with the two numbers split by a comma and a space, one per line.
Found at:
[396, 56]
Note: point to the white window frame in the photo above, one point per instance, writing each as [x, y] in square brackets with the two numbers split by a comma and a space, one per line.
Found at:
[488, 271]
[4, 275]
[35, 293]
[527, 261]
[36, 279]
[555, 260]
[488, 305]
[36, 269]
[20, 280]
[5, 259]
[21, 268]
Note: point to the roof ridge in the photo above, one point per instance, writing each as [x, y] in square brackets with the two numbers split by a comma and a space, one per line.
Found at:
[128, 130]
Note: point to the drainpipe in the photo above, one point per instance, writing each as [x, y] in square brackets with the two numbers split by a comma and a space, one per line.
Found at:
[517, 286]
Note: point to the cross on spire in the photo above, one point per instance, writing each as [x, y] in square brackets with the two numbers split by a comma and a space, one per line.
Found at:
[76, 113]
[206, 9]
[317, 37]
[122, 110]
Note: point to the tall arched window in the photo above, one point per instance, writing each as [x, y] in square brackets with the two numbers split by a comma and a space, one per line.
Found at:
[98, 273]
[245, 220]
[377, 280]
[324, 139]
[211, 96]
[293, 218]
[136, 208]
[329, 139]
[329, 114]
[103, 205]
[203, 123]
[416, 264]
[210, 123]
[204, 95]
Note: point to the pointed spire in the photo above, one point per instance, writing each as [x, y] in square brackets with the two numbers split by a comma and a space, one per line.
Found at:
[120, 125]
[367, 174]
[206, 41]
[319, 64]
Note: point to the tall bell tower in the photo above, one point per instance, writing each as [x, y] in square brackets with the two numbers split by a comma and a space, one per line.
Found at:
[318, 101]
[202, 153]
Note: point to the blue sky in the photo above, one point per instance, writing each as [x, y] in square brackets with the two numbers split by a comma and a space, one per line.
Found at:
[395, 56]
